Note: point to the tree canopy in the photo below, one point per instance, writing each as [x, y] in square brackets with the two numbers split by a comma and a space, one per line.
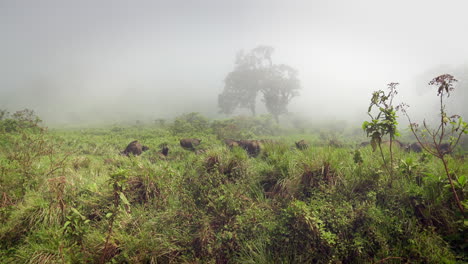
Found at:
[254, 73]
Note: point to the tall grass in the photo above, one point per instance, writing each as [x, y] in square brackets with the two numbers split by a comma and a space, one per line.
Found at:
[287, 205]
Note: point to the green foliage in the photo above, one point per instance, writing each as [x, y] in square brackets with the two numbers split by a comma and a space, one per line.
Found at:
[279, 87]
[75, 227]
[245, 127]
[461, 182]
[3, 114]
[189, 124]
[384, 123]
[323, 204]
[19, 121]
[408, 166]
[255, 73]
[451, 127]
[28, 159]
[357, 157]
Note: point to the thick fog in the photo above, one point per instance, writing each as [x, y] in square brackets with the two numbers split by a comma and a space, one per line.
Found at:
[110, 61]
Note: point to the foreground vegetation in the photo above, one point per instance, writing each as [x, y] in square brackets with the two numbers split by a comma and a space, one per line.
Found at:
[67, 196]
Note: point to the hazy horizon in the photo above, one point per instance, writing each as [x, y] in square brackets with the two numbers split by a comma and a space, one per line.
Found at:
[111, 61]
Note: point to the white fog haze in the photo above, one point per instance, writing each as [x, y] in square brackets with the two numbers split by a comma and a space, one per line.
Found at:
[112, 61]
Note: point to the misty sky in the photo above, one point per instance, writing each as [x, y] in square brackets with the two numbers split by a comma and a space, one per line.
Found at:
[103, 59]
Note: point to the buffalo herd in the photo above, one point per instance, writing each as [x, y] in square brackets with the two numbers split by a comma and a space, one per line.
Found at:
[444, 148]
[253, 147]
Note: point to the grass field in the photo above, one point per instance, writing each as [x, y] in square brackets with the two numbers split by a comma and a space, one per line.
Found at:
[68, 196]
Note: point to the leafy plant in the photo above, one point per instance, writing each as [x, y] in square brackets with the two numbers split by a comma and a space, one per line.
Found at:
[408, 166]
[30, 158]
[117, 180]
[384, 122]
[19, 121]
[75, 228]
[449, 127]
[357, 157]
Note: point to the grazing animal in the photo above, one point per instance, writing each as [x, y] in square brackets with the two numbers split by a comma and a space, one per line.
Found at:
[162, 154]
[445, 148]
[134, 148]
[251, 146]
[190, 143]
[302, 144]
[414, 147]
[165, 151]
[231, 143]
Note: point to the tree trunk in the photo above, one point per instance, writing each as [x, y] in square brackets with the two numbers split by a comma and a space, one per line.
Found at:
[276, 117]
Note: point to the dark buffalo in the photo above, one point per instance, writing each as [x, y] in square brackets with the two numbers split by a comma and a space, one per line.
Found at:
[134, 148]
[302, 144]
[414, 147]
[165, 151]
[445, 148]
[190, 143]
[251, 146]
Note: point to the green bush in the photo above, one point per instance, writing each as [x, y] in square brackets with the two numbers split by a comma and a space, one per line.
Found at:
[189, 124]
[19, 121]
[245, 127]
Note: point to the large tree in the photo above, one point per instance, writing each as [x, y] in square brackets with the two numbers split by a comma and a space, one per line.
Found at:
[254, 73]
[280, 86]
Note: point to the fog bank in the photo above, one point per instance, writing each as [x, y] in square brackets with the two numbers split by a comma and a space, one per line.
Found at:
[112, 61]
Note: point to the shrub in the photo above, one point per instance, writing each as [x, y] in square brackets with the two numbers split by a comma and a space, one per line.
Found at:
[18, 121]
[189, 123]
[245, 127]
